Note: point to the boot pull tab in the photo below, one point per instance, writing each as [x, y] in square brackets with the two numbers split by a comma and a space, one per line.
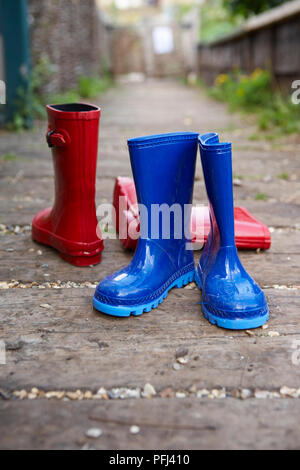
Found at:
[56, 139]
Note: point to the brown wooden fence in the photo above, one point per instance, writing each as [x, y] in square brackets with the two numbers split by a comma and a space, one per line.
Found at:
[270, 40]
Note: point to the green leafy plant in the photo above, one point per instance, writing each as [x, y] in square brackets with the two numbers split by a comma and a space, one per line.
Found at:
[250, 7]
[216, 20]
[253, 93]
[31, 102]
[70, 96]
[244, 91]
[89, 87]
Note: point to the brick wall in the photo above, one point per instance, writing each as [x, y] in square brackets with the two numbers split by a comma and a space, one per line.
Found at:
[71, 35]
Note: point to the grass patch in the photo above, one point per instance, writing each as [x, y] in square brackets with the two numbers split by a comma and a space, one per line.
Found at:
[261, 197]
[87, 88]
[283, 176]
[8, 157]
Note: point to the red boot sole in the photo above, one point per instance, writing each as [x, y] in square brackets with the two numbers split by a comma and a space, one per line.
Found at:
[81, 260]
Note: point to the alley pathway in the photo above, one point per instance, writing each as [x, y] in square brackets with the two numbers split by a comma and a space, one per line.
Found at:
[56, 342]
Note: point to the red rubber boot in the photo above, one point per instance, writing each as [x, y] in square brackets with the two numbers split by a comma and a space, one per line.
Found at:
[70, 226]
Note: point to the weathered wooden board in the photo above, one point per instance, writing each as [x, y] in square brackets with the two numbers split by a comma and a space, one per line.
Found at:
[262, 162]
[21, 192]
[280, 265]
[164, 424]
[60, 345]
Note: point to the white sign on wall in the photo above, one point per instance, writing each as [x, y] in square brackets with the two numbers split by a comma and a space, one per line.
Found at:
[163, 41]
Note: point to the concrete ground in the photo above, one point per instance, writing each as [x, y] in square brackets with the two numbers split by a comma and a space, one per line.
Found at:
[236, 390]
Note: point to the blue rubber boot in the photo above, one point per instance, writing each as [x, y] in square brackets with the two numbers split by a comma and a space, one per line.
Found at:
[230, 297]
[163, 168]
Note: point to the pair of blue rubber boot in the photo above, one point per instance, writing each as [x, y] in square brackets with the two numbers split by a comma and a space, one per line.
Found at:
[163, 168]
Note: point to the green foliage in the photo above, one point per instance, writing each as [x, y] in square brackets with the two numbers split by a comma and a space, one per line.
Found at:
[89, 87]
[243, 91]
[247, 8]
[8, 157]
[221, 17]
[29, 101]
[283, 176]
[70, 96]
[282, 114]
[33, 101]
[253, 93]
[216, 20]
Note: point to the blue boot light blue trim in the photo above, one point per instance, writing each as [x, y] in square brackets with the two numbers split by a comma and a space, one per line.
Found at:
[163, 168]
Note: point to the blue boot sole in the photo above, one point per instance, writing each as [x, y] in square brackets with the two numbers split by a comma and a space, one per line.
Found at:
[136, 310]
[229, 324]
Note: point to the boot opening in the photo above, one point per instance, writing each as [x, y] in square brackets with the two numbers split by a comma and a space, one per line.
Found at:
[74, 107]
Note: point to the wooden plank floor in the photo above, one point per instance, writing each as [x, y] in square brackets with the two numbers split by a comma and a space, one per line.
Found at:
[235, 391]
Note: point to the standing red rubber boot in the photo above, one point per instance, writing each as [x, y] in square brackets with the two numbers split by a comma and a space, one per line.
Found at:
[70, 226]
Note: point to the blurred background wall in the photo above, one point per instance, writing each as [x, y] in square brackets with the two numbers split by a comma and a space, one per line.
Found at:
[50, 47]
[72, 36]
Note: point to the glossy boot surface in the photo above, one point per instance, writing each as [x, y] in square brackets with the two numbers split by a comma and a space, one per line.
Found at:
[163, 167]
[230, 297]
[70, 225]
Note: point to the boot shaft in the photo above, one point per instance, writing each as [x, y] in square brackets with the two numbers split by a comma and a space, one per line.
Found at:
[217, 170]
[73, 136]
[163, 168]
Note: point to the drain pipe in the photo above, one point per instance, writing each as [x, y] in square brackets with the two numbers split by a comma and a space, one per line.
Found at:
[15, 70]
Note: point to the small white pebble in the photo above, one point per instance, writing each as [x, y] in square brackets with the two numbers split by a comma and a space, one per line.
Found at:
[273, 334]
[134, 430]
[149, 391]
[94, 433]
[289, 392]
[202, 393]
[249, 333]
[245, 393]
[261, 394]
[183, 360]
